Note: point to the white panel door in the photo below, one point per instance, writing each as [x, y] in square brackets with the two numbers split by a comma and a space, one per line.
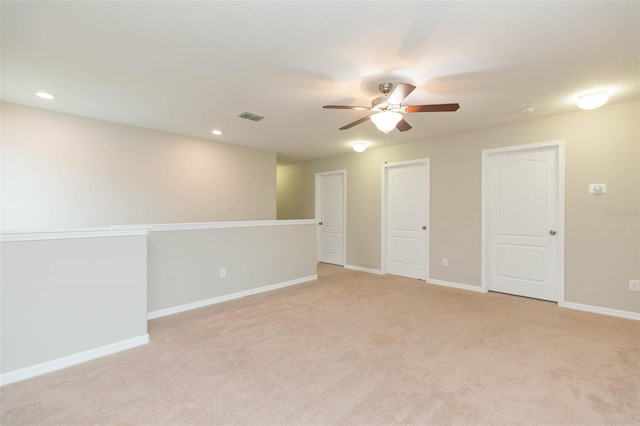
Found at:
[523, 217]
[330, 212]
[407, 219]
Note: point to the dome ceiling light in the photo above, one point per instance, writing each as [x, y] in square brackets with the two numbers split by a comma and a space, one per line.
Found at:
[593, 100]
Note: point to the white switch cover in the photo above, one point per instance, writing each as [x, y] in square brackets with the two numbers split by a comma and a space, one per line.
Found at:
[445, 261]
[634, 285]
[597, 188]
[223, 272]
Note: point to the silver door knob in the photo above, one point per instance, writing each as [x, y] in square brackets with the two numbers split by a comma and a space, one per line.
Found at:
[319, 223]
[552, 232]
[424, 227]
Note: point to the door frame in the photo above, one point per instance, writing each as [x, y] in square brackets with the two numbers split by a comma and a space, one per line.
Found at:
[486, 153]
[384, 215]
[318, 176]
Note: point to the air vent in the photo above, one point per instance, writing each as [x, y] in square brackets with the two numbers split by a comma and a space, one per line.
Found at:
[251, 116]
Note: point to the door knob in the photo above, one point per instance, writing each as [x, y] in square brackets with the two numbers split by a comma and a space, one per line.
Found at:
[319, 223]
[424, 227]
[552, 232]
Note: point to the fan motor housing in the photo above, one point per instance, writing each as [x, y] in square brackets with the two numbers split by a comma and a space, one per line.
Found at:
[380, 104]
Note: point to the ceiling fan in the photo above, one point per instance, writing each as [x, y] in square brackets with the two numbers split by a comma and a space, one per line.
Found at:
[388, 108]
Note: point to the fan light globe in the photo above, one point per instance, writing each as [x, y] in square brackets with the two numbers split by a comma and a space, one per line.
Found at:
[386, 121]
[592, 100]
[359, 146]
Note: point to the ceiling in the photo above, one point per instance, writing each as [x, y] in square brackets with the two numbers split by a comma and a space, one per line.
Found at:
[190, 67]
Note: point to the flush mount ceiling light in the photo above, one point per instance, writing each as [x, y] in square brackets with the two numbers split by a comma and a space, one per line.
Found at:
[359, 146]
[593, 100]
[216, 132]
[386, 121]
[45, 95]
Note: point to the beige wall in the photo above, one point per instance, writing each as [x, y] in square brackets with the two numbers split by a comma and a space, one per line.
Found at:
[291, 184]
[602, 146]
[66, 171]
[66, 296]
[184, 265]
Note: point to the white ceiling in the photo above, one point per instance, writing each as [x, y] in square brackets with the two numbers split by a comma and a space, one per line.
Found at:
[190, 67]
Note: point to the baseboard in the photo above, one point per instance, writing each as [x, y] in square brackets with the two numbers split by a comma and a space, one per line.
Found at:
[603, 311]
[68, 361]
[468, 287]
[361, 269]
[202, 303]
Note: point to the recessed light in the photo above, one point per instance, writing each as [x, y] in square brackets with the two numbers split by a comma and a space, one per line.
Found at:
[526, 110]
[45, 95]
[593, 100]
[216, 132]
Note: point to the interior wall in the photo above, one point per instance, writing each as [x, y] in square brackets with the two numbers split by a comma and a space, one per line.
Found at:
[184, 265]
[291, 181]
[66, 171]
[62, 297]
[602, 247]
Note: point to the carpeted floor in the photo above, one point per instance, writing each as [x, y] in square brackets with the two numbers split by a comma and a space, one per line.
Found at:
[358, 349]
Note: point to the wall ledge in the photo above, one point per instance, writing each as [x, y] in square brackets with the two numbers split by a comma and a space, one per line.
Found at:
[217, 225]
[129, 230]
[66, 234]
[68, 361]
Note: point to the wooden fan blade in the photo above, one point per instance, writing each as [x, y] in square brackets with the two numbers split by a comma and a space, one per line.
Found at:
[355, 123]
[403, 126]
[401, 91]
[432, 108]
[359, 108]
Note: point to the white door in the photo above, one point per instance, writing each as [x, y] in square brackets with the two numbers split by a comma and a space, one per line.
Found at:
[407, 218]
[331, 214]
[522, 188]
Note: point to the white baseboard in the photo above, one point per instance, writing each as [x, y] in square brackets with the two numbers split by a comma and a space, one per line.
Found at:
[603, 311]
[68, 361]
[468, 287]
[361, 269]
[202, 303]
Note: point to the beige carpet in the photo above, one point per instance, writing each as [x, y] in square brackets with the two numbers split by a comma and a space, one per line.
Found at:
[358, 349]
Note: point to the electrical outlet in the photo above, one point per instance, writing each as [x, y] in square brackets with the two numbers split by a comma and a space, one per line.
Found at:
[445, 261]
[223, 272]
[634, 285]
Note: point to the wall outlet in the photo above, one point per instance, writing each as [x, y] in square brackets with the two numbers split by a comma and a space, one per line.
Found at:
[223, 272]
[445, 261]
[634, 285]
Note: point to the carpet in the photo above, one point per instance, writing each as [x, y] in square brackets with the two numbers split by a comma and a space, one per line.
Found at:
[354, 348]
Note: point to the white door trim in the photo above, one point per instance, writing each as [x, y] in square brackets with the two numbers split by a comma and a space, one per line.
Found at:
[559, 144]
[383, 239]
[343, 172]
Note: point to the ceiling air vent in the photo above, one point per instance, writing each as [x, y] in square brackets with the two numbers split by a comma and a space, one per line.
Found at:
[251, 116]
